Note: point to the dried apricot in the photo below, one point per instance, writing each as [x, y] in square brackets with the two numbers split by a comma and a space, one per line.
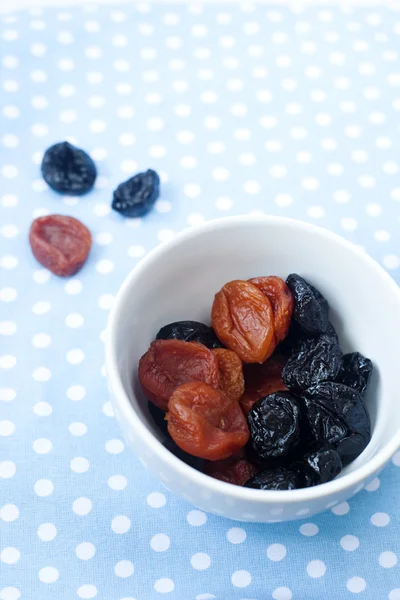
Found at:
[169, 363]
[243, 320]
[231, 373]
[60, 243]
[232, 470]
[282, 302]
[261, 381]
[205, 423]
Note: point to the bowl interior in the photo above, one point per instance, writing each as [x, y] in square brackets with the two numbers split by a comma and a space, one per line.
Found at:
[179, 282]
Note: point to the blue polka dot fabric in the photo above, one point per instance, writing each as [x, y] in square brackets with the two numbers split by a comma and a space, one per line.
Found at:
[241, 109]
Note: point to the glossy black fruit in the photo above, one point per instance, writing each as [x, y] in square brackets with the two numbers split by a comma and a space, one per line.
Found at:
[190, 331]
[355, 372]
[68, 169]
[320, 466]
[310, 307]
[324, 426]
[275, 479]
[136, 196]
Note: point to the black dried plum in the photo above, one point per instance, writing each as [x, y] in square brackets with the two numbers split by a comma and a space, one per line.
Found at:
[310, 307]
[351, 447]
[320, 466]
[274, 423]
[324, 426]
[136, 196]
[314, 360]
[275, 479]
[190, 331]
[355, 372]
[331, 332]
[68, 170]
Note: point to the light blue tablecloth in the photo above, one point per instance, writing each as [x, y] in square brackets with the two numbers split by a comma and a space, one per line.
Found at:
[241, 109]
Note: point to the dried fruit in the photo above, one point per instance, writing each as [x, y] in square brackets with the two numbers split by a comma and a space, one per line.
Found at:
[205, 423]
[310, 307]
[190, 331]
[315, 360]
[232, 470]
[274, 423]
[59, 243]
[243, 320]
[279, 478]
[356, 372]
[324, 426]
[282, 303]
[68, 170]
[320, 466]
[351, 446]
[262, 380]
[231, 373]
[136, 196]
[169, 363]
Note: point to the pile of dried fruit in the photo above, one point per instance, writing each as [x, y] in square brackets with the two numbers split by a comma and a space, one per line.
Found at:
[263, 398]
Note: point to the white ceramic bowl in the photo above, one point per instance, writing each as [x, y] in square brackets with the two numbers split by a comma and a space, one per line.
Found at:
[178, 281]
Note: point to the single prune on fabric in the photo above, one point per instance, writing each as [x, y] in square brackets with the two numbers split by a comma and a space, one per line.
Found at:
[262, 380]
[310, 307]
[274, 423]
[190, 331]
[243, 320]
[231, 470]
[351, 446]
[68, 169]
[279, 478]
[282, 302]
[205, 423]
[136, 196]
[320, 466]
[230, 373]
[169, 363]
[60, 243]
[324, 426]
[315, 360]
[356, 371]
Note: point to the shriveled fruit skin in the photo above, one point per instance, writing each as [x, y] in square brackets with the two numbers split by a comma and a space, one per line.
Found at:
[231, 470]
[356, 371]
[262, 380]
[320, 466]
[230, 372]
[274, 423]
[60, 243]
[169, 363]
[243, 320]
[68, 169]
[282, 302]
[190, 331]
[324, 425]
[205, 423]
[310, 307]
[279, 478]
[137, 196]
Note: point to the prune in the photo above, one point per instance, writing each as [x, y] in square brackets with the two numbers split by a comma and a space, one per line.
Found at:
[68, 170]
[230, 373]
[320, 466]
[355, 372]
[324, 426]
[262, 380]
[282, 302]
[205, 423]
[351, 447]
[275, 479]
[232, 470]
[243, 320]
[169, 363]
[310, 307]
[59, 243]
[190, 331]
[315, 360]
[136, 196]
[274, 423]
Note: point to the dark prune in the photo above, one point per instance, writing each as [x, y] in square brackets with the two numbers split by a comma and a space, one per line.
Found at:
[68, 170]
[190, 331]
[275, 479]
[355, 372]
[136, 196]
[351, 447]
[331, 332]
[324, 426]
[320, 466]
[274, 423]
[231, 470]
[310, 307]
[315, 360]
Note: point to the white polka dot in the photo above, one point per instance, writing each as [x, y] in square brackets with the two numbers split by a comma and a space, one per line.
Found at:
[9, 201]
[79, 464]
[160, 542]
[356, 585]
[41, 340]
[87, 591]
[348, 223]
[120, 524]
[42, 446]
[114, 446]
[391, 261]
[205, 597]
[349, 542]
[6, 428]
[341, 509]
[41, 275]
[282, 593]
[48, 574]
[283, 200]
[394, 594]
[77, 429]
[104, 266]
[251, 187]
[7, 394]
[9, 513]
[373, 209]
[75, 356]
[223, 203]
[82, 506]
[310, 183]
[67, 90]
[309, 529]
[11, 112]
[10, 555]
[380, 519]
[316, 212]
[7, 469]
[9, 171]
[47, 532]
[241, 579]
[7, 361]
[108, 409]
[65, 37]
[158, 500]
[76, 392]
[316, 568]
[10, 593]
[85, 550]
[165, 235]
[276, 552]
[101, 209]
[124, 568]
[304, 157]
[236, 535]
[10, 85]
[10, 62]
[200, 561]
[388, 559]
[164, 585]
[117, 482]
[215, 147]
[188, 162]
[74, 320]
[42, 409]
[7, 327]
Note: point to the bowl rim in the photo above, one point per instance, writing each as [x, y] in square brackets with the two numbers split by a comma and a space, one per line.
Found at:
[360, 474]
